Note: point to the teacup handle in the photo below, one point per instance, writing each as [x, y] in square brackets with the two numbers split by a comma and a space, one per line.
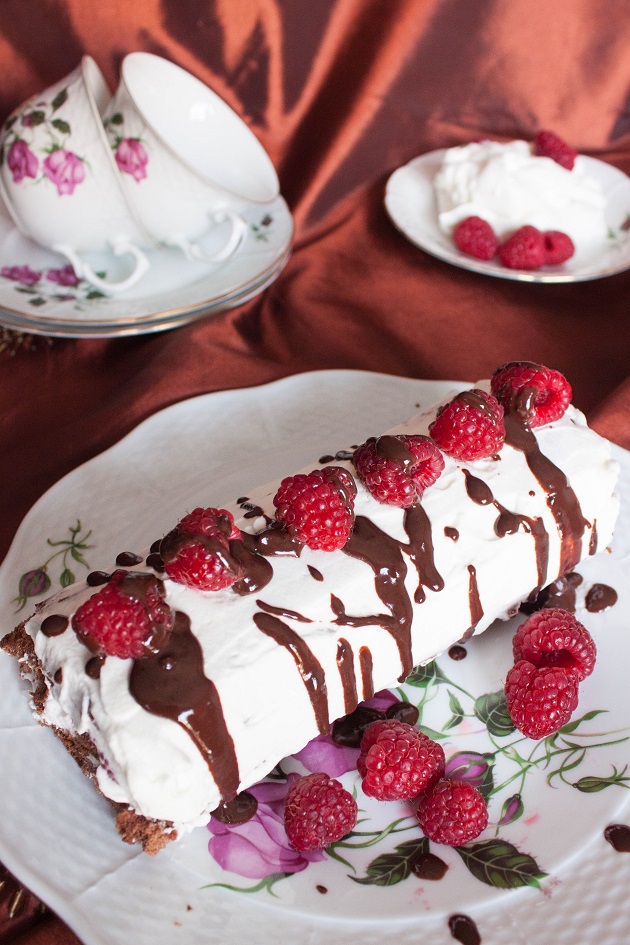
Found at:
[238, 231]
[121, 246]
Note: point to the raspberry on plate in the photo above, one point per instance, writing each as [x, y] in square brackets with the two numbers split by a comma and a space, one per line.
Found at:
[318, 507]
[475, 237]
[555, 637]
[197, 551]
[126, 617]
[397, 761]
[318, 811]
[551, 392]
[397, 469]
[452, 812]
[524, 249]
[540, 700]
[558, 247]
[470, 426]
[549, 144]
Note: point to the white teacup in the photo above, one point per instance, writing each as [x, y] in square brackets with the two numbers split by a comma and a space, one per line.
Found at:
[187, 161]
[60, 182]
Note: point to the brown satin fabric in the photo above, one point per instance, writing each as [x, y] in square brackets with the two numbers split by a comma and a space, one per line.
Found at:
[340, 92]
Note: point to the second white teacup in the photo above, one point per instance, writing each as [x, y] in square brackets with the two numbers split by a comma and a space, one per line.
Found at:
[59, 181]
[187, 161]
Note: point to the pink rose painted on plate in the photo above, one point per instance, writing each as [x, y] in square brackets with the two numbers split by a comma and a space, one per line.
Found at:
[65, 276]
[21, 161]
[259, 847]
[65, 170]
[23, 274]
[132, 158]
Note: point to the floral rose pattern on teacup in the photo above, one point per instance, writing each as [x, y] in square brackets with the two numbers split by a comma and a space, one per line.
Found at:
[130, 153]
[65, 170]
[34, 146]
[21, 160]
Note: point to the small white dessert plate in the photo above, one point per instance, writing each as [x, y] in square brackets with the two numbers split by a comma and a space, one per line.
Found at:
[542, 871]
[410, 203]
[39, 293]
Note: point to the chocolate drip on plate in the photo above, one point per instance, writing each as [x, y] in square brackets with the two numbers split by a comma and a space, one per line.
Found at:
[464, 930]
[308, 666]
[599, 597]
[561, 498]
[618, 835]
[171, 683]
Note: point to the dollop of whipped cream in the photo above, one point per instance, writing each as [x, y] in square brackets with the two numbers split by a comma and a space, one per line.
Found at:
[507, 185]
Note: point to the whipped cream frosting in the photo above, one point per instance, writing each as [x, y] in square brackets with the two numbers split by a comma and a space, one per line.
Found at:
[264, 672]
[509, 187]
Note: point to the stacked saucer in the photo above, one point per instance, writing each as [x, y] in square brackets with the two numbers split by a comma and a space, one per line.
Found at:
[137, 213]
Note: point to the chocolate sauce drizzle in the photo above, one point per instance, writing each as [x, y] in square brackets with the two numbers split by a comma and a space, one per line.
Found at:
[508, 523]
[366, 664]
[308, 666]
[345, 664]
[54, 625]
[561, 498]
[171, 683]
[383, 554]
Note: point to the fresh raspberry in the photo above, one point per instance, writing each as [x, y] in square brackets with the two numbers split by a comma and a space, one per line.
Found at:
[551, 392]
[452, 812]
[558, 247]
[470, 426]
[549, 144]
[475, 237]
[197, 551]
[555, 637]
[542, 699]
[397, 469]
[524, 249]
[126, 617]
[397, 761]
[318, 507]
[318, 811]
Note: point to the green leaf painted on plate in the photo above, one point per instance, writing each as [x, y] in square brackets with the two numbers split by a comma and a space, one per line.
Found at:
[498, 863]
[388, 869]
[66, 578]
[491, 709]
[425, 675]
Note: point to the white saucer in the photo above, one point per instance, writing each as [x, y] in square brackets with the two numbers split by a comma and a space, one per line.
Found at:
[410, 202]
[174, 291]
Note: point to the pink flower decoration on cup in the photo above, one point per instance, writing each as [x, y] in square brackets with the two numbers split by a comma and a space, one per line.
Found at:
[21, 160]
[65, 170]
[132, 158]
[259, 847]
